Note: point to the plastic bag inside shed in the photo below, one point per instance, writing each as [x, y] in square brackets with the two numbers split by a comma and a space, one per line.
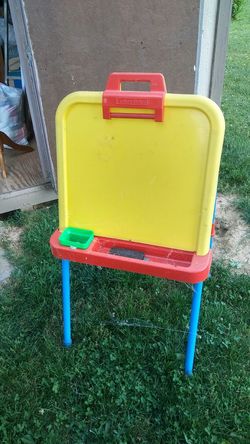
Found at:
[12, 120]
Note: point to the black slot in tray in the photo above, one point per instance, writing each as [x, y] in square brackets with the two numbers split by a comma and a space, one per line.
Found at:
[125, 252]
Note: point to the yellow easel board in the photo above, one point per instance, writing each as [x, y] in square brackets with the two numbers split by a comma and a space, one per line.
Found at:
[137, 179]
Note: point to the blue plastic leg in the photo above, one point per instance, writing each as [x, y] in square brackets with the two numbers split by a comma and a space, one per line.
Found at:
[66, 303]
[194, 319]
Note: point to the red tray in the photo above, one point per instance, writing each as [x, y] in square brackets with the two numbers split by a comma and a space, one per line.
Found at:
[161, 262]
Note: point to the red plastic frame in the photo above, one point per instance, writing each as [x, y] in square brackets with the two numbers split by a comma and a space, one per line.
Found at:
[113, 97]
[213, 230]
[161, 262]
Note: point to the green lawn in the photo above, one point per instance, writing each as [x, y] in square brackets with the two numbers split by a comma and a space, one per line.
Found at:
[235, 167]
[118, 384]
[125, 383]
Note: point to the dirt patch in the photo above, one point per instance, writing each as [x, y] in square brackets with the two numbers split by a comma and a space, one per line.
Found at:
[232, 240]
[9, 236]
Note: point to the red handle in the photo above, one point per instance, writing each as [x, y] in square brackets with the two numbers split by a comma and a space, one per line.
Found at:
[156, 80]
[113, 97]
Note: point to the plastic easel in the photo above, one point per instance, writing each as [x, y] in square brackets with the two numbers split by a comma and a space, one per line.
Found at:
[137, 179]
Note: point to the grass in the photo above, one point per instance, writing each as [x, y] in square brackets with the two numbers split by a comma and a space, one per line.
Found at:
[118, 383]
[235, 166]
[237, 6]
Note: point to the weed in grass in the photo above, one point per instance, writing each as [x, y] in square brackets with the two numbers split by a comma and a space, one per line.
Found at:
[236, 8]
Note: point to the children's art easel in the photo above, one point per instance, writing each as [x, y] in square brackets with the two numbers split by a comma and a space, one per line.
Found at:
[137, 179]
